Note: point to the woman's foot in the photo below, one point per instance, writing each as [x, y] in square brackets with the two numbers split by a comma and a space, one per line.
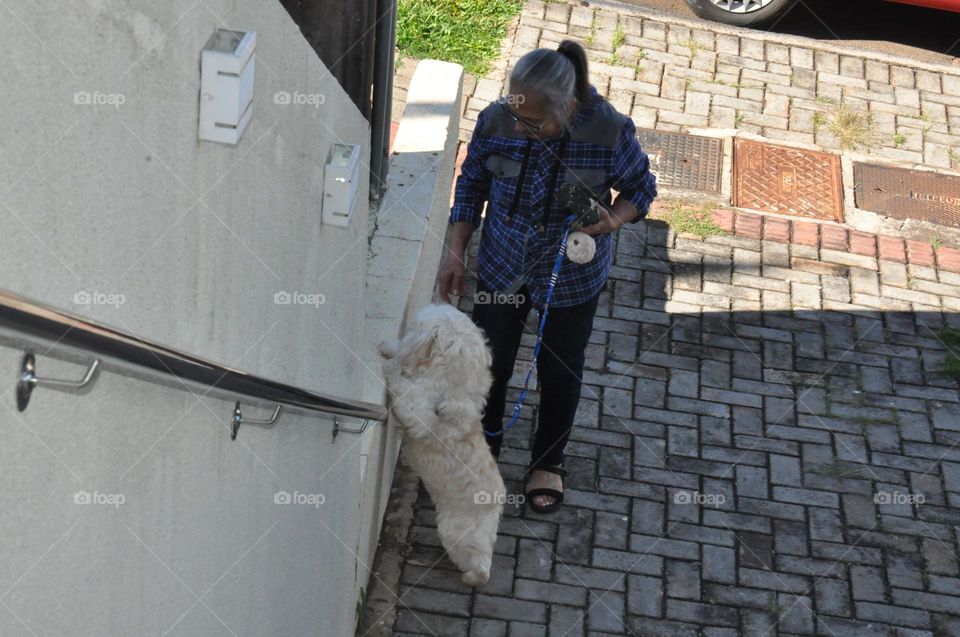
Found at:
[544, 481]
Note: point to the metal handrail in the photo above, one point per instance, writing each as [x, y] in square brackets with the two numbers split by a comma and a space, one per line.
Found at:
[26, 318]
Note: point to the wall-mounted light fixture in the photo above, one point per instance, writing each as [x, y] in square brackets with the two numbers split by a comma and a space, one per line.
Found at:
[341, 184]
[226, 85]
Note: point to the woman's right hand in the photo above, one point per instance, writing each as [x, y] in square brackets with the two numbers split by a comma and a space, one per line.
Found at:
[451, 275]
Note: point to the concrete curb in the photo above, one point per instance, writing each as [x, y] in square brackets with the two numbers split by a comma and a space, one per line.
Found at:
[404, 244]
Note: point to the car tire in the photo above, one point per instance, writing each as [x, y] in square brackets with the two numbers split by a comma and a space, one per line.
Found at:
[709, 10]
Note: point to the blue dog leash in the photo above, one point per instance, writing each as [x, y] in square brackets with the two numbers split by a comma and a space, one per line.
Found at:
[543, 322]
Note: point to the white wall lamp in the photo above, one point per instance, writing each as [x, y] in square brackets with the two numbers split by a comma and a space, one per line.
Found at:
[341, 184]
[226, 85]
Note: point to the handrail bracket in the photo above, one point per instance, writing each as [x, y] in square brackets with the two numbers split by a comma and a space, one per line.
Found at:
[29, 380]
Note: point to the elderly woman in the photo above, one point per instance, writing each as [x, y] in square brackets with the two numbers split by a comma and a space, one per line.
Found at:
[552, 128]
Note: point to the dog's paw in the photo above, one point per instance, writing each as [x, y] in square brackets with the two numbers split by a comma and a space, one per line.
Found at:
[387, 349]
[475, 578]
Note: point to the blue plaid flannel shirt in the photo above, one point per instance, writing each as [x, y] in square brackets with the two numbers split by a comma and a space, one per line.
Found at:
[519, 243]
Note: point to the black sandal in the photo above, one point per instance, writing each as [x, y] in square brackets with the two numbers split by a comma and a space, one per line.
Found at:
[552, 493]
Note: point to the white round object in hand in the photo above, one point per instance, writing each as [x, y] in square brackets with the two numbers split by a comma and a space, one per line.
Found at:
[580, 247]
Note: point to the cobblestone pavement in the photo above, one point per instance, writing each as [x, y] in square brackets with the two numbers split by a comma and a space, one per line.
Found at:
[767, 443]
[671, 77]
[744, 461]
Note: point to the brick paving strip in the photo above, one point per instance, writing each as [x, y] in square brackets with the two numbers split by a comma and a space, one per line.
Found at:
[767, 443]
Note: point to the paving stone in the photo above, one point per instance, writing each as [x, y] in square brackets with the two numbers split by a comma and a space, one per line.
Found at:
[574, 540]
[566, 621]
[867, 583]
[606, 612]
[488, 628]
[535, 559]
[432, 624]
[550, 593]
[526, 629]
[703, 613]
[797, 616]
[422, 599]
[683, 579]
[508, 608]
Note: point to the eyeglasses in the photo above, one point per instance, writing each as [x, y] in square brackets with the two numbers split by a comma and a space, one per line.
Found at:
[531, 126]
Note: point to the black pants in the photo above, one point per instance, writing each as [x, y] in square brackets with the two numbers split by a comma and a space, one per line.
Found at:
[559, 368]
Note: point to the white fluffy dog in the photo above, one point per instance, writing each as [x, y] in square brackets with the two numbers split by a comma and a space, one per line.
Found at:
[438, 376]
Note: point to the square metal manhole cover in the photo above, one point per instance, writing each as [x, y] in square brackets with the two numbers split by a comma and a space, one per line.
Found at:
[680, 160]
[903, 193]
[787, 181]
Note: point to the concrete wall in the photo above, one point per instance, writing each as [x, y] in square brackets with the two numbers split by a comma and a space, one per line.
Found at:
[184, 242]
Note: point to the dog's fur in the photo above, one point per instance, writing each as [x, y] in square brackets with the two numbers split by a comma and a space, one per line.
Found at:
[438, 376]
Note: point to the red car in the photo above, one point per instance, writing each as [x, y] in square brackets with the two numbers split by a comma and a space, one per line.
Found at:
[756, 13]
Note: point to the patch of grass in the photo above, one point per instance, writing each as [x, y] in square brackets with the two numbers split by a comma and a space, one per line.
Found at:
[864, 420]
[736, 85]
[852, 128]
[819, 119]
[467, 32]
[693, 45]
[951, 366]
[618, 37]
[953, 155]
[737, 119]
[687, 220]
[641, 56]
[827, 101]
[936, 243]
[592, 38]
[774, 608]
[838, 469]
[899, 140]
[361, 603]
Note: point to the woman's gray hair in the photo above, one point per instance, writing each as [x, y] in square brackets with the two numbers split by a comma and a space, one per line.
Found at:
[557, 76]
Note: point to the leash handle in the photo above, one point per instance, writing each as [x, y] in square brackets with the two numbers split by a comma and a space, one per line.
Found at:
[543, 322]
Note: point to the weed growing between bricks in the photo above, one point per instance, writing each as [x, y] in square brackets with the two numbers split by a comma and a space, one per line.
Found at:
[685, 219]
[951, 338]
